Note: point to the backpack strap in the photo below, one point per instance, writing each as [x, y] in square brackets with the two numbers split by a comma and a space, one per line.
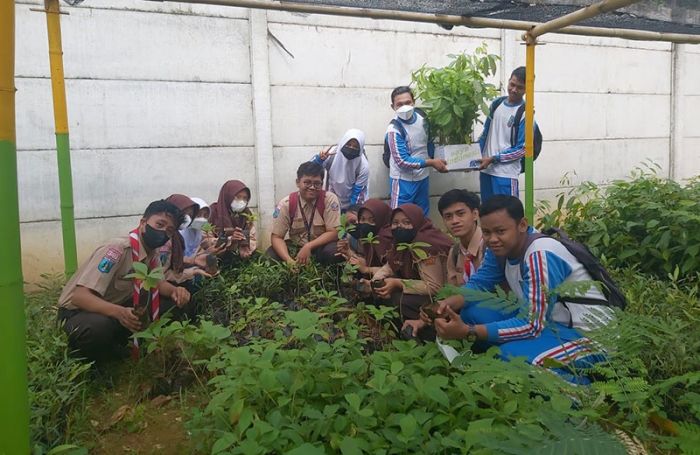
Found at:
[399, 126]
[330, 163]
[515, 129]
[294, 203]
[497, 102]
[455, 254]
[321, 203]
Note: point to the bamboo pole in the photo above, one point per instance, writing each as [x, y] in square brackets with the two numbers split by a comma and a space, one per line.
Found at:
[14, 410]
[578, 16]
[530, 132]
[60, 112]
[475, 22]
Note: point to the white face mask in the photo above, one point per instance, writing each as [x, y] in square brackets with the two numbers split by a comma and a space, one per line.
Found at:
[405, 112]
[188, 220]
[238, 205]
[198, 223]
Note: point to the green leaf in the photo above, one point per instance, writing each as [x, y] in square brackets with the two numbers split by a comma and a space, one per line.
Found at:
[351, 446]
[68, 449]
[408, 425]
[307, 449]
[396, 367]
[353, 400]
[223, 443]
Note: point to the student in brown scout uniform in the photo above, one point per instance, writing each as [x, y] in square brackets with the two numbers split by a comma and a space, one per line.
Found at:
[410, 281]
[232, 217]
[460, 213]
[311, 216]
[96, 305]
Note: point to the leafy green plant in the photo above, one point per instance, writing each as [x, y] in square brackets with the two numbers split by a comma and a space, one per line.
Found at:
[455, 95]
[148, 278]
[417, 249]
[345, 227]
[208, 228]
[250, 216]
[58, 382]
[648, 223]
[371, 239]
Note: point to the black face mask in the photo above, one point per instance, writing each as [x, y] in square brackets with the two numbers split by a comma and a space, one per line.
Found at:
[402, 235]
[154, 238]
[349, 152]
[362, 229]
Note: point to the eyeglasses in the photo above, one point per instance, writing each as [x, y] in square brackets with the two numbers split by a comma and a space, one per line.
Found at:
[308, 184]
[404, 224]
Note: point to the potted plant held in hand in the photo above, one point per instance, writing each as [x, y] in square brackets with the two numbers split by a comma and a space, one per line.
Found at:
[149, 280]
[453, 98]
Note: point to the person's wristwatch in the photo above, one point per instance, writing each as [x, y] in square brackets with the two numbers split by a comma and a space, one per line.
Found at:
[471, 334]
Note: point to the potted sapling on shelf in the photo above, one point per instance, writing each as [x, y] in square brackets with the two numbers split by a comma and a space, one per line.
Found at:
[147, 280]
[453, 98]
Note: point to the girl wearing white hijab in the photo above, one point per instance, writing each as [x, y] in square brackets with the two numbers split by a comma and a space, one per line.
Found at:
[348, 169]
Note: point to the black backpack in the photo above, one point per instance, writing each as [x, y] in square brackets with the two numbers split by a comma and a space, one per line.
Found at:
[612, 293]
[402, 131]
[515, 130]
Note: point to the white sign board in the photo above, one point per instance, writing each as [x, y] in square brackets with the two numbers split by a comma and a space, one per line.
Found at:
[460, 157]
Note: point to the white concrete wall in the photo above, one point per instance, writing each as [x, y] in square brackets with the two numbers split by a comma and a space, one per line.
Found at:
[167, 98]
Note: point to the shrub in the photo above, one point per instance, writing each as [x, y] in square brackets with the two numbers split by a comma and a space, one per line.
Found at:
[648, 223]
[57, 382]
[455, 95]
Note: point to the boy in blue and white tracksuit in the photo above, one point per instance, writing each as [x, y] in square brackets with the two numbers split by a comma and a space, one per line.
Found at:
[500, 165]
[411, 153]
[539, 329]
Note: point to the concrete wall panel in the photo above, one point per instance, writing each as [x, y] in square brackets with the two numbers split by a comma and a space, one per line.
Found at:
[121, 182]
[113, 114]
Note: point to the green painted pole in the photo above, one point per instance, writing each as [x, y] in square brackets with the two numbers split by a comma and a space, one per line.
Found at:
[14, 404]
[60, 112]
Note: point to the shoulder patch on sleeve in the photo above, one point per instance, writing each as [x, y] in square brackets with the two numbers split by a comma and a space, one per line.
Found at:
[111, 257]
[105, 265]
[334, 206]
[276, 213]
[114, 254]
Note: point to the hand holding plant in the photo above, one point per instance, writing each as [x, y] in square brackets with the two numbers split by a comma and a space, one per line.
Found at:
[360, 263]
[127, 318]
[391, 285]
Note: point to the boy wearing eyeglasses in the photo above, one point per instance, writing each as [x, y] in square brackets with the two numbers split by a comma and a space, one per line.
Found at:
[310, 216]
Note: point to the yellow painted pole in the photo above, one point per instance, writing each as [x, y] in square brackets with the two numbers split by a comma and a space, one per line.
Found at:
[14, 404]
[60, 112]
[529, 130]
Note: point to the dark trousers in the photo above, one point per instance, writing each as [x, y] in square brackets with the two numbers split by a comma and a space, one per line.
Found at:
[100, 338]
[325, 254]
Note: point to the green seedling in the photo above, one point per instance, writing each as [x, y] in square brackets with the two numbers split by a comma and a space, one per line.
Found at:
[149, 280]
[345, 227]
[371, 239]
[208, 228]
[417, 249]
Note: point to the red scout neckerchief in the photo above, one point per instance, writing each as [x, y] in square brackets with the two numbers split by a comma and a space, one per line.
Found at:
[155, 262]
